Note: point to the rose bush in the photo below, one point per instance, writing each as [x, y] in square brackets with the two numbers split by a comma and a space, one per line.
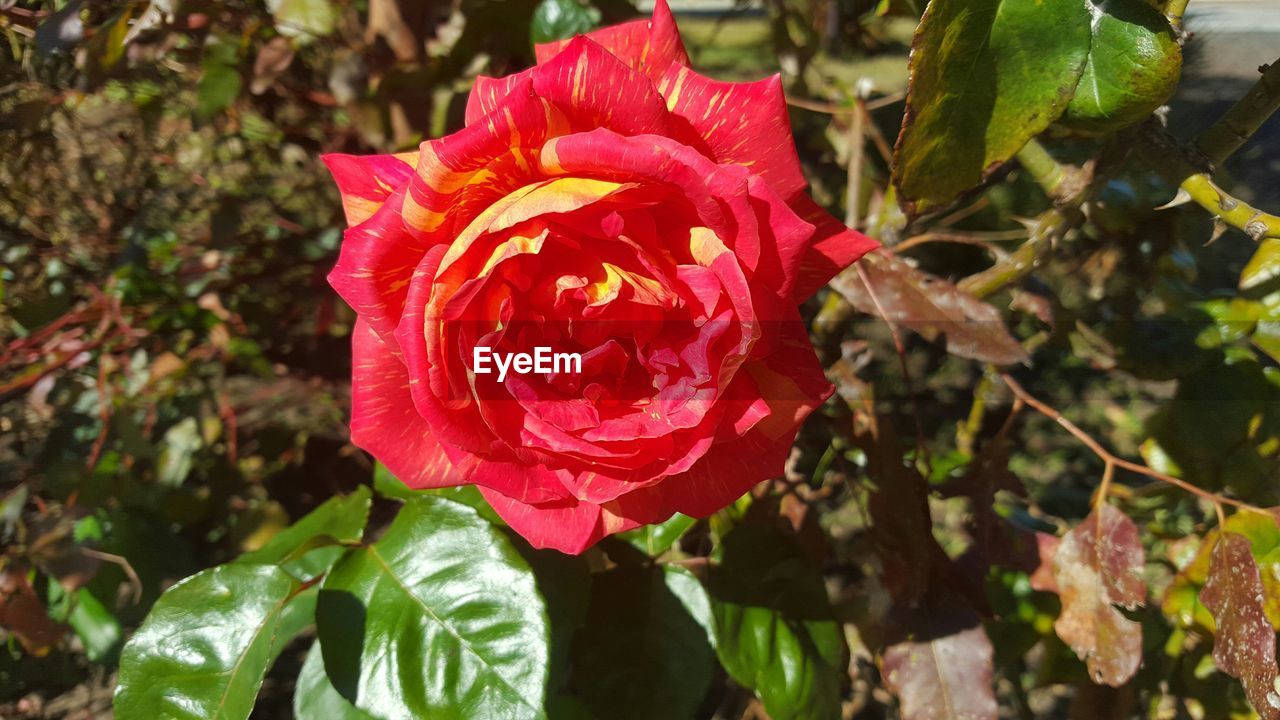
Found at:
[611, 202]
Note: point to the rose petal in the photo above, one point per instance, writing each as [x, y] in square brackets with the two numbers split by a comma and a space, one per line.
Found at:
[366, 181]
[834, 248]
[384, 421]
[650, 46]
[742, 123]
[375, 263]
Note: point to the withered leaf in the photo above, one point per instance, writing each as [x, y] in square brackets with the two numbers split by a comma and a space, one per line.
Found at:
[22, 614]
[1098, 566]
[941, 668]
[930, 306]
[1047, 547]
[1244, 645]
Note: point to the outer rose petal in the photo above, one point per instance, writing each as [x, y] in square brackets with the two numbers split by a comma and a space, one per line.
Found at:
[383, 419]
[834, 248]
[375, 263]
[366, 181]
[742, 123]
[649, 46]
[568, 526]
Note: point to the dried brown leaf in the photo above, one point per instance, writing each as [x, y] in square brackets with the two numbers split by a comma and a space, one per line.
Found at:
[930, 306]
[1042, 579]
[1098, 566]
[273, 59]
[941, 668]
[22, 614]
[1244, 645]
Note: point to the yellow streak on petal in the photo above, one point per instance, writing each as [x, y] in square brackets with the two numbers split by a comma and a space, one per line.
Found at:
[705, 246]
[549, 160]
[358, 209]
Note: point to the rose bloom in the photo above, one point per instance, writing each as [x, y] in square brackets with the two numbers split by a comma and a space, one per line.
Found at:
[614, 203]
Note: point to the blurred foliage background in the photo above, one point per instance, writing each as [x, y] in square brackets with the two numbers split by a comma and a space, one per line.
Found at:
[174, 371]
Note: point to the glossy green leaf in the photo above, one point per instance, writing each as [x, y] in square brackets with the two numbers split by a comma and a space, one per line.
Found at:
[220, 82]
[441, 618]
[314, 697]
[308, 548]
[203, 650]
[1263, 268]
[389, 485]
[303, 19]
[1133, 67]
[775, 630]
[560, 19]
[654, 540]
[646, 649]
[986, 76]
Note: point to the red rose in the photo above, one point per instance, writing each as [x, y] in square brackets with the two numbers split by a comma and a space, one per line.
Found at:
[609, 202]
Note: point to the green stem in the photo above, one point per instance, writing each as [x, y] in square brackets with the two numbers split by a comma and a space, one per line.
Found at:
[1174, 10]
[1244, 118]
[1236, 213]
[1049, 227]
[1043, 168]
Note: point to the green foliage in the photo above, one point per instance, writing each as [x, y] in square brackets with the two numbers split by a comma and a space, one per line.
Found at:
[174, 386]
[471, 599]
[220, 80]
[645, 650]
[1133, 67]
[205, 646]
[987, 77]
[560, 19]
[315, 698]
[305, 20]
[775, 631]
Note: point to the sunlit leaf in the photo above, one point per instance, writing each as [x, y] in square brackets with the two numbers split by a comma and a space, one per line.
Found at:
[645, 650]
[986, 77]
[203, 650]
[1133, 67]
[440, 618]
[303, 19]
[308, 547]
[1244, 644]
[314, 697]
[1098, 566]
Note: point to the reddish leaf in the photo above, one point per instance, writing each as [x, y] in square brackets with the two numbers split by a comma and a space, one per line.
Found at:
[941, 668]
[1042, 579]
[1098, 566]
[930, 306]
[1244, 646]
[22, 614]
